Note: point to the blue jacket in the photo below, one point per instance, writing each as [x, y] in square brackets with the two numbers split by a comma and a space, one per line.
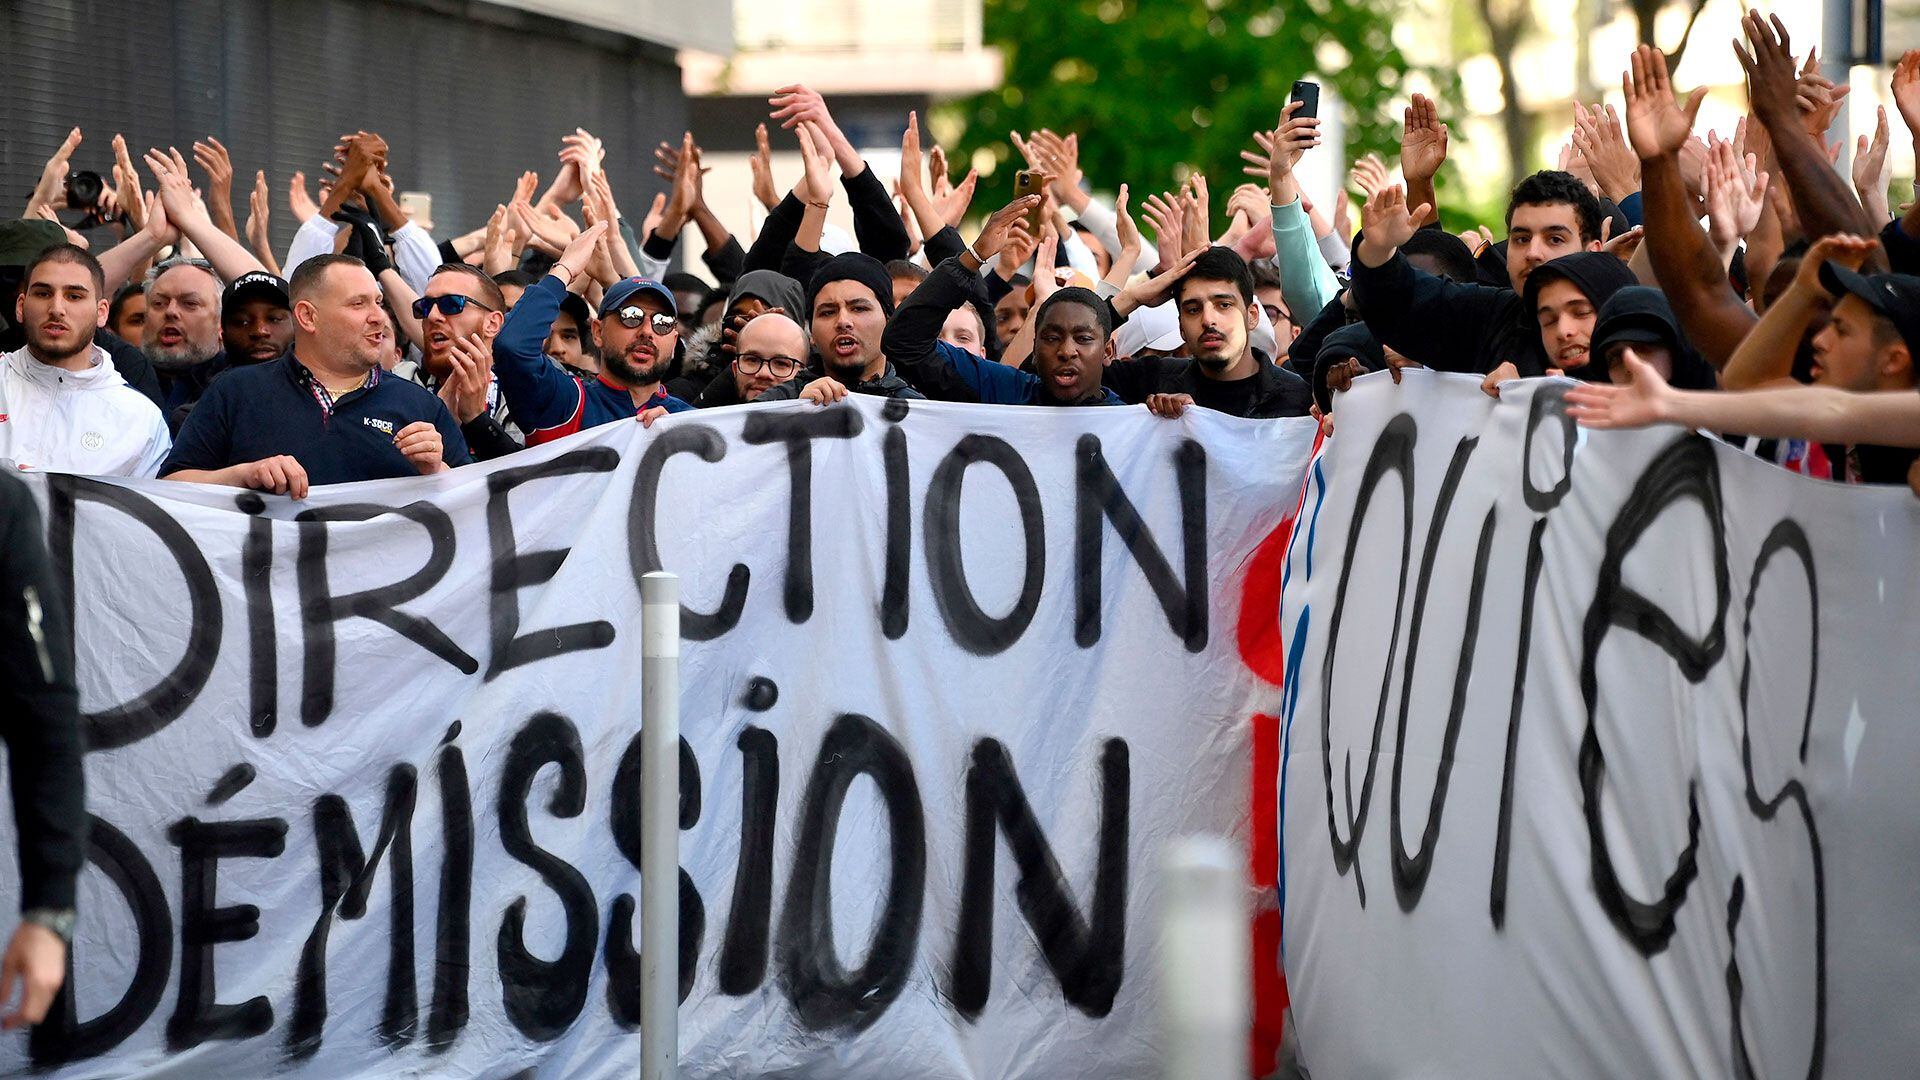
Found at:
[545, 401]
[947, 372]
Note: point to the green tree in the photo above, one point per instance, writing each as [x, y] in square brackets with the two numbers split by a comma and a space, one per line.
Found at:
[1157, 87]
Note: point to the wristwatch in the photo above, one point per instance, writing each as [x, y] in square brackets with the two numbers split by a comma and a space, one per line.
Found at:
[58, 920]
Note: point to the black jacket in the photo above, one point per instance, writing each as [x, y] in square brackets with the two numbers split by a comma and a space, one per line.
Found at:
[132, 364]
[1277, 392]
[1445, 325]
[889, 384]
[876, 227]
[39, 707]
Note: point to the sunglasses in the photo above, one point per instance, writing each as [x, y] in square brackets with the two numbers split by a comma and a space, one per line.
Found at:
[450, 305]
[780, 367]
[631, 317]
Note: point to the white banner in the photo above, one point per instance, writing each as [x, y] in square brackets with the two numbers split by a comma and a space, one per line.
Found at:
[364, 777]
[1600, 752]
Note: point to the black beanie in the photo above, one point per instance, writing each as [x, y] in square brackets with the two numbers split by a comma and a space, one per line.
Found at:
[852, 266]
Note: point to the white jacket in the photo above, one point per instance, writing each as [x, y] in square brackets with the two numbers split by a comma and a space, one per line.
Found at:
[87, 421]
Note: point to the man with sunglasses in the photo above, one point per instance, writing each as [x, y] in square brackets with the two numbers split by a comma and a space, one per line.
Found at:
[771, 349]
[460, 314]
[638, 332]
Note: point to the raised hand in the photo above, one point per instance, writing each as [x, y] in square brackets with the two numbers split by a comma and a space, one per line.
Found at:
[1872, 171]
[761, 164]
[214, 160]
[551, 233]
[1423, 140]
[1128, 233]
[1060, 159]
[1006, 228]
[1294, 136]
[1370, 175]
[581, 156]
[1386, 222]
[258, 221]
[1656, 123]
[126, 184]
[682, 169]
[1773, 84]
[1198, 205]
[797, 104]
[1819, 99]
[815, 187]
[1906, 90]
[465, 391]
[1736, 194]
[912, 162]
[954, 201]
[1249, 202]
[175, 189]
[598, 202]
[578, 254]
[1165, 215]
[1600, 139]
[162, 232]
[51, 191]
[302, 204]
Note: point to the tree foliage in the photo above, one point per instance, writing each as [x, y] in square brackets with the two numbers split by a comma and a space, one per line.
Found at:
[1157, 87]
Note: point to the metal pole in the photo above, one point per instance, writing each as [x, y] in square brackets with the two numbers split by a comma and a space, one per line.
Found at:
[1836, 61]
[1206, 987]
[660, 827]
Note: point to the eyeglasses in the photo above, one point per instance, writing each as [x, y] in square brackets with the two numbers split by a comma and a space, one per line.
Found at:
[780, 367]
[450, 305]
[662, 323]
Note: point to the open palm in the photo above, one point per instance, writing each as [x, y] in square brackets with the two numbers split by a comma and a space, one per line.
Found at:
[1657, 124]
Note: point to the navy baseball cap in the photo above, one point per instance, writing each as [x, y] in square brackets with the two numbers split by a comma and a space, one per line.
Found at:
[1894, 297]
[624, 289]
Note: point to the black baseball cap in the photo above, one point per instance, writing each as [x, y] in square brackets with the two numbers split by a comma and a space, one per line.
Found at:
[255, 285]
[575, 305]
[1894, 297]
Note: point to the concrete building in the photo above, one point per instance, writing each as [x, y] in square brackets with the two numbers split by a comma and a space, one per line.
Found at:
[468, 93]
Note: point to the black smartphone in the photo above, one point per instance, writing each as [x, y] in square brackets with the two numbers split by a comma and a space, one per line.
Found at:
[1308, 94]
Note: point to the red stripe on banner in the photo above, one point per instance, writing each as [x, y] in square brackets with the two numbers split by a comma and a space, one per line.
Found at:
[1263, 849]
[1264, 844]
[1259, 635]
[1259, 632]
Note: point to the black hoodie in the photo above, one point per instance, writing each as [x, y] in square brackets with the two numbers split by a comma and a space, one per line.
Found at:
[1638, 314]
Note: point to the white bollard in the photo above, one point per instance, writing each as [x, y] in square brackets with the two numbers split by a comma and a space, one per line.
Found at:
[1205, 983]
[660, 833]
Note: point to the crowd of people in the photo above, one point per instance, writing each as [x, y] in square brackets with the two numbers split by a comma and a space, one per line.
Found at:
[1745, 264]
[1740, 285]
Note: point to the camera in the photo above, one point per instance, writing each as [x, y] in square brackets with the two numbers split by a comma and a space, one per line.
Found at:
[84, 189]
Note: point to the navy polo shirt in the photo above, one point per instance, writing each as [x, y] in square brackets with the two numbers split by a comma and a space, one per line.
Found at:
[263, 410]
